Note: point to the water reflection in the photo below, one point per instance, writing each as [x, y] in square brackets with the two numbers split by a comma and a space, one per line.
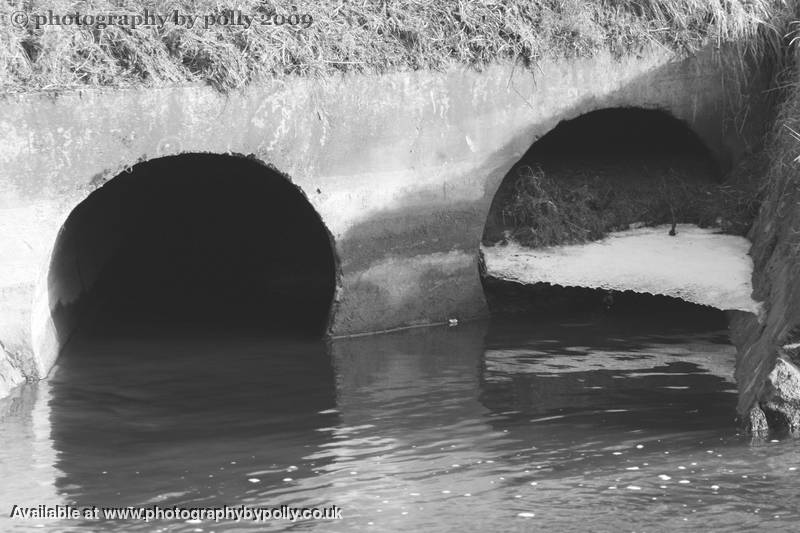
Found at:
[622, 423]
[614, 369]
[27, 455]
[416, 433]
[174, 421]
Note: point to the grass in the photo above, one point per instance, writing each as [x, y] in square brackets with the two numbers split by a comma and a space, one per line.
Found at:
[586, 205]
[779, 217]
[776, 232]
[362, 36]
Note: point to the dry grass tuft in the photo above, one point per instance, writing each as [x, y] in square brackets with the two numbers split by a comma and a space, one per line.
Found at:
[585, 206]
[779, 217]
[362, 35]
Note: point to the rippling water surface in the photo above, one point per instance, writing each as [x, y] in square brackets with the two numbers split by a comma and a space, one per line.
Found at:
[603, 424]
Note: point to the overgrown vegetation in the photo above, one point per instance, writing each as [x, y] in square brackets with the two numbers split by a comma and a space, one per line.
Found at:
[587, 204]
[776, 256]
[364, 35]
[776, 233]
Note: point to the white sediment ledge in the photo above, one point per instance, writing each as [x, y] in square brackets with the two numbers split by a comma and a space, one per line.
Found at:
[698, 265]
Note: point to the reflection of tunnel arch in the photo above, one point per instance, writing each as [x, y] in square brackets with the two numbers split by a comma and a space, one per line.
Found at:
[623, 157]
[194, 239]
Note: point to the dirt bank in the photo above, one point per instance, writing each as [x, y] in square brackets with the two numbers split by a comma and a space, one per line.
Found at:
[767, 373]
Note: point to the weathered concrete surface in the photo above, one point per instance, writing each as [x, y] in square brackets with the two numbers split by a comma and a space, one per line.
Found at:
[402, 169]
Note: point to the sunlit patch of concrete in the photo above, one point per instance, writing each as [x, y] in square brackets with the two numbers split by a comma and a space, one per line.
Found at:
[697, 265]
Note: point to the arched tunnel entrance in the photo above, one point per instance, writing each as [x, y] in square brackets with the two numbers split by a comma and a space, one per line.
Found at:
[580, 354]
[602, 172]
[607, 171]
[190, 296]
[196, 240]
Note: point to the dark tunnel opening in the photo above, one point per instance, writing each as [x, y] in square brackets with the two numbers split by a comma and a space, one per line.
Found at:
[646, 137]
[202, 241]
[605, 171]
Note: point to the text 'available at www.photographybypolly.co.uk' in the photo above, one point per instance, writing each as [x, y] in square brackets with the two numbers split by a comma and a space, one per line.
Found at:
[154, 513]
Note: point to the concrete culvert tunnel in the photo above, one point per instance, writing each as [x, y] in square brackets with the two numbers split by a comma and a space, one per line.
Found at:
[638, 180]
[194, 240]
[602, 172]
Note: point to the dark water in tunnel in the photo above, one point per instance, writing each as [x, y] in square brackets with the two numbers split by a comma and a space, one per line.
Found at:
[595, 423]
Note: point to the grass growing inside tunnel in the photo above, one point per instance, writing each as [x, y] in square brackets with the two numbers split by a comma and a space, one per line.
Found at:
[610, 169]
[547, 210]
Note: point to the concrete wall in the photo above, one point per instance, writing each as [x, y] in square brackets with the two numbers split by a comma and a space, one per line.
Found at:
[402, 168]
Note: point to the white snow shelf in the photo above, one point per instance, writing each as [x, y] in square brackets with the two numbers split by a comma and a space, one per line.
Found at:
[701, 266]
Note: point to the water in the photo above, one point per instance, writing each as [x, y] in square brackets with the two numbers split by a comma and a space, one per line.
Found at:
[596, 423]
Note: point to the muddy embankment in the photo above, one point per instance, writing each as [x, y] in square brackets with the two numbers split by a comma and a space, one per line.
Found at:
[769, 353]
